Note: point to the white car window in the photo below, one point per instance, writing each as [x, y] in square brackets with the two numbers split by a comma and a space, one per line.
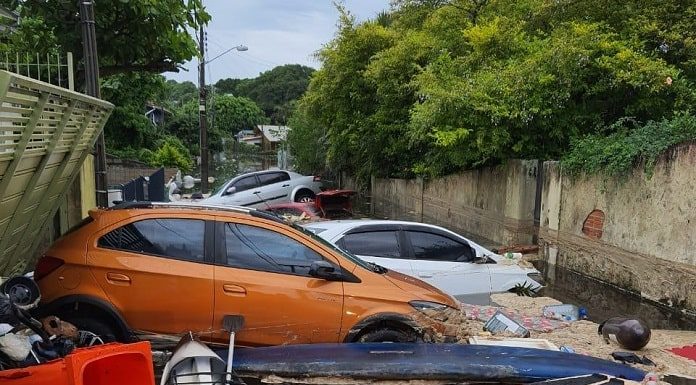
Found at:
[374, 244]
[435, 247]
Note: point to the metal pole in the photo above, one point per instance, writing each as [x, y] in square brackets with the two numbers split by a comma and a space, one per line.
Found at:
[89, 45]
[202, 113]
[71, 73]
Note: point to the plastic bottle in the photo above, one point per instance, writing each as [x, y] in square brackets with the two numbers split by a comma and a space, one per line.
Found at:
[630, 333]
[564, 312]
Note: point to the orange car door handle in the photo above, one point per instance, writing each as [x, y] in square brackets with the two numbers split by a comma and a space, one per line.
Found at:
[233, 289]
[118, 279]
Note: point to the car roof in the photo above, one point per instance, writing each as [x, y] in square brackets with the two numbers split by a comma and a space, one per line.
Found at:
[195, 205]
[330, 229]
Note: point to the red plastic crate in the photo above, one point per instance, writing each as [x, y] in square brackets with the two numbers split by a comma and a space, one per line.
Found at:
[110, 364]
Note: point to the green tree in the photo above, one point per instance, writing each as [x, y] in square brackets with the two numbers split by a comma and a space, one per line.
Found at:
[273, 91]
[231, 86]
[142, 36]
[129, 129]
[230, 114]
[227, 115]
[177, 94]
[172, 153]
[438, 86]
[184, 124]
[307, 141]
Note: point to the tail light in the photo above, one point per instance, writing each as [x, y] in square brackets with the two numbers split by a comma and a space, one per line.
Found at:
[46, 266]
[317, 178]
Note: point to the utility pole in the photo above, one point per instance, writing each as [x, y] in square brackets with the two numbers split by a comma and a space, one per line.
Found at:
[89, 47]
[202, 116]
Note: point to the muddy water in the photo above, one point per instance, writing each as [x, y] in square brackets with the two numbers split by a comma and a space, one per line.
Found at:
[603, 301]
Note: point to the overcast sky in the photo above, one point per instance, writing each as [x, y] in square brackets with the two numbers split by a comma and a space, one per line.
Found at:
[277, 32]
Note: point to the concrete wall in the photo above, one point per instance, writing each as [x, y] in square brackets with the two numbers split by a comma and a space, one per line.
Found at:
[494, 205]
[641, 236]
[120, 171]
[648, 238]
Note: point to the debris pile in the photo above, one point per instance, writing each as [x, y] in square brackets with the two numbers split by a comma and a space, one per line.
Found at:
[582, 336]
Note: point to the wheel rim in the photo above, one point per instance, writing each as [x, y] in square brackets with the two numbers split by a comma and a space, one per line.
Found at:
[20, 294]
[87, 338]
[306, 199]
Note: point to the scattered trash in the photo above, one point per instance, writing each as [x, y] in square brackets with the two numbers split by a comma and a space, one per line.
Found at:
[530, 322]
[521, 249]
[533, 343]
[678, 379]
[650, 379]
[566, 349]
[195, 363]
[631, 333]
[631, 358]
[54, 326]
[685, 351]
[592, 379]
[23, 292]
[564, 312]
[501, 323]
[15, 347]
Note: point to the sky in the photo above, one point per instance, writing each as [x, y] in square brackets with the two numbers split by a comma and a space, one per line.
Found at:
[276, 32]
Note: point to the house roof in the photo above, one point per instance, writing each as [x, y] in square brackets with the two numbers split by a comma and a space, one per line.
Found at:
[274, 133]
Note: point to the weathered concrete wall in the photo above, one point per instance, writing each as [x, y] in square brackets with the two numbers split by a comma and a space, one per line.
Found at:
[121, 171]
[648, 235]
[494, 205]
[398, 198]
[362, 201]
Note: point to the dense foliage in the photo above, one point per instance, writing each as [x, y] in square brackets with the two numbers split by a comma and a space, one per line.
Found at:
[143, 36]
[274, 91]
[435, 86]
[136, 41]
[618, 153]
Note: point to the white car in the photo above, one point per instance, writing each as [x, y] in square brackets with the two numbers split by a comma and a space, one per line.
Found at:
[444, 259]
[262, 188]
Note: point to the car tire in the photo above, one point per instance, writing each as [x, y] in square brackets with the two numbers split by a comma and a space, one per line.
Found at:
[304, 196]
[390, 335]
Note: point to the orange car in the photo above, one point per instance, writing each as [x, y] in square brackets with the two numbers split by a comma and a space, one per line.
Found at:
[155, 271]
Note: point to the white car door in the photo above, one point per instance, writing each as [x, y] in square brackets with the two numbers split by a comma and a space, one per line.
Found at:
[275, 188]
[448, 264]
[382, 247]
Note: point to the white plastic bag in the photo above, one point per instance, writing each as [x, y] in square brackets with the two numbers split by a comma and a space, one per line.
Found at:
[16, 347]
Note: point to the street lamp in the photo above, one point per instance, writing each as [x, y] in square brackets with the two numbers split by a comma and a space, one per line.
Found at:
[202, 115]
[240, 48]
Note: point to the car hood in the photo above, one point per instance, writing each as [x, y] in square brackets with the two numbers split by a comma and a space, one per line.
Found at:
[420, 289]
